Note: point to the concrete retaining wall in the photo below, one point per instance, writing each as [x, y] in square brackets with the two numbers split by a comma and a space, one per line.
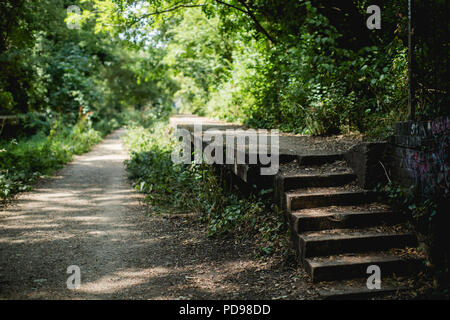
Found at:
[418, 155]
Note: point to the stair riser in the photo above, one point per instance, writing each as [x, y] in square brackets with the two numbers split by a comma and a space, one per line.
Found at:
[291, 183]
[316, 248]
[323, 200]
[362, 220]
[352, 271]
[286, 158]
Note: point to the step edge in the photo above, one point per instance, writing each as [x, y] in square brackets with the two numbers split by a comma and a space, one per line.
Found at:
[290, 195]
[298, 215]
[318, 175]
[369, 259]
[339, 237]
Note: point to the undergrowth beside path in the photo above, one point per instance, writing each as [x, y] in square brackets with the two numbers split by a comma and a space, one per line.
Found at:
[23, 161]
[196, 188]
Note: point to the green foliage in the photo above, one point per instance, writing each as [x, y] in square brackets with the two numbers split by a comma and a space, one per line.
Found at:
[198, 57]
[153, 172]
[423, 211]
[196, 188]
[430, 219]
[315, 86]
[300, 66]
[49, 68]
[23, 161]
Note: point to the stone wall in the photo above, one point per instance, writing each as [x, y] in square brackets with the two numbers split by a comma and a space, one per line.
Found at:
[417, 154]
[366, 159]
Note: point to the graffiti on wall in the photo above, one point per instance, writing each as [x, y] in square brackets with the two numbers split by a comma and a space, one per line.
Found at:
[430, 167]
[436, 127]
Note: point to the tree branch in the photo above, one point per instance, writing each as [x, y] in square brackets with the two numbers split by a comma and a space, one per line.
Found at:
[258, 26]
[247, 11]
[231, 6]
[179, 6]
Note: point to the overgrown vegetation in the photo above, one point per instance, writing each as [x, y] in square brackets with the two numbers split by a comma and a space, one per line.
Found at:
[63, 88]
[49, 68]
[181, 188]
[302, 66]
[430, 219]
[23, 161]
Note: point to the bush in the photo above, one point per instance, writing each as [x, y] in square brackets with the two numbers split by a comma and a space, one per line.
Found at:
[171, 187]
[25, 160]
[431, 220]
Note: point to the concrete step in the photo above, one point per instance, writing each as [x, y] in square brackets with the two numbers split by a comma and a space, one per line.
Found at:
[322, 197]
[318, 159]
[343, 217]
[314, 244]
[355, 266]
[296, 181]
[361, 292]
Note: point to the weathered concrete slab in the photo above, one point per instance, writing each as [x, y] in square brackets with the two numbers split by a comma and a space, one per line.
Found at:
[349, 266]
[188, 121]
[314, 220]
[289, 145]
[297, 181]
[299, 199]
[359, 293]
[346, 242]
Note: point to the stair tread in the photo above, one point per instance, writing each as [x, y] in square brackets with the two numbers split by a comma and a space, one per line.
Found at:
[293, 175]
[340, 234]
[348, 189]
[392, 287]
[332, 211]
[314, 197]
[292, 169]
[358, 217]
[366, 258]
[402, 261]
[322, 153]
[359, 292]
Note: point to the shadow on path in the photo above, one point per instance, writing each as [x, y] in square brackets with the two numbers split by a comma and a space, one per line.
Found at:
[89, 216]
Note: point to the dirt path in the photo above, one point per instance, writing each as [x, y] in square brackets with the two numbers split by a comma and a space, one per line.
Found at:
[89, 216]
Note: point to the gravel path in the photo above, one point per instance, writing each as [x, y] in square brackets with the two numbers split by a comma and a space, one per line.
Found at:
[89, 216]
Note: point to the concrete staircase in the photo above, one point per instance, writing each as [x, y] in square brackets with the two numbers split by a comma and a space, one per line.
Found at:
[339, 229]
